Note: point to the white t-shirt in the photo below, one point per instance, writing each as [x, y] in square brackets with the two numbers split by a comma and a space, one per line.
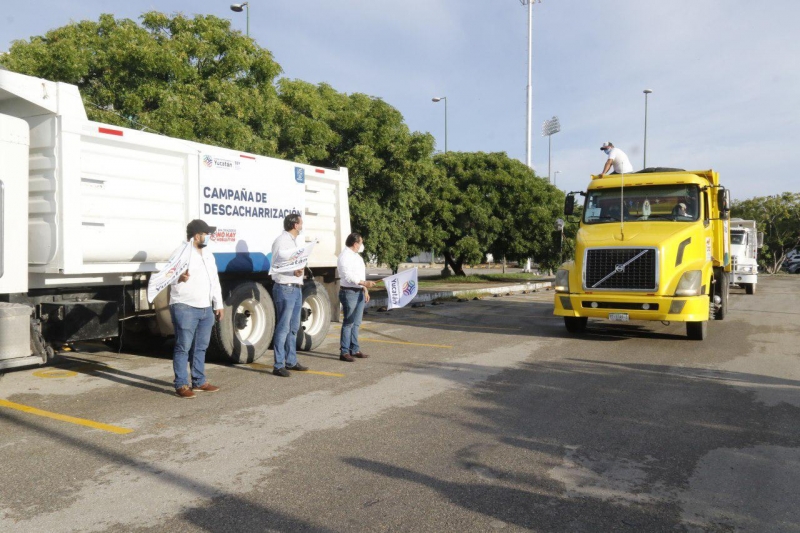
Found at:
[352, 269]
[285, 241]
[620, 161]
[202, 289]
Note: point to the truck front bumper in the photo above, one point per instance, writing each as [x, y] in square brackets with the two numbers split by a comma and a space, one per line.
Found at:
[739, 277]
[637, 306]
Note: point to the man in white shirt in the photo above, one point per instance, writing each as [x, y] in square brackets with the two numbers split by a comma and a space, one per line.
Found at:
[195, 297]
[353, 294]
[617, 158]
[287, 293]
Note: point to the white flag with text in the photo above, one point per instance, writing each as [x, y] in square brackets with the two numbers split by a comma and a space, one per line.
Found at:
[177, 265]
[292, 259]
[401, 288]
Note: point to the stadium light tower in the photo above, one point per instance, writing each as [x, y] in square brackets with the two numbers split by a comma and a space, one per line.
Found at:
[549, 128]
[528, 128]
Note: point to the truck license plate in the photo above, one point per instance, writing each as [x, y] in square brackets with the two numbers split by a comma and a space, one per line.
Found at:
[618, 317]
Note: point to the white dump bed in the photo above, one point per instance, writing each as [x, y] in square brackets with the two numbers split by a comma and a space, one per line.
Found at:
[106, 201]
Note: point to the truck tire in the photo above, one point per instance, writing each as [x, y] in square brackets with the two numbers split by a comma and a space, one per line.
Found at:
[750, 288]
[722, 289]
[315, 316]
[697, 331]
[245, 333]
[575, 324]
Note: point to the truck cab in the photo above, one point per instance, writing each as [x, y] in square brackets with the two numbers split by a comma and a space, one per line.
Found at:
[745, 242]
[652, 245]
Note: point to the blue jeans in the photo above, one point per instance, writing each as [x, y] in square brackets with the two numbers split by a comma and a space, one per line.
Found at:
[288, 303]
[353, 308]
[192, 335]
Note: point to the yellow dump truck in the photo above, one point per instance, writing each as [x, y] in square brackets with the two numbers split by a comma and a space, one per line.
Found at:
[652, 245]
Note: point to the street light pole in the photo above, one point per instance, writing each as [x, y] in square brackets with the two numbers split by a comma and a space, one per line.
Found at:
[646, 92]
[555, 175]
[439, 99]
[238, 9]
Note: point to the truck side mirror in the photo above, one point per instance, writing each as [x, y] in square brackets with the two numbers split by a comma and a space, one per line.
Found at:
[724, 203]
[760, 239]
[569, 204]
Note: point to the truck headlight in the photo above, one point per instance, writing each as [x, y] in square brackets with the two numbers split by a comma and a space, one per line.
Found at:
[562, 281]
[689, 285]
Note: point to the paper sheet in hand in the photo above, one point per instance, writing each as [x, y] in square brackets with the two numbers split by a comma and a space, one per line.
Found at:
[291, 259]
[177, 265]
[401, 288]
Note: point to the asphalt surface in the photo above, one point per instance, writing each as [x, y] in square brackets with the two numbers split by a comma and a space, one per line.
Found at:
[475, 416]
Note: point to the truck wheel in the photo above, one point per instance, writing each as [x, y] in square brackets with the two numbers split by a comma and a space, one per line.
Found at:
[750, 288]
[697, 331]
[722, 289]
[315, 317]
[245, 333]
[575, 324]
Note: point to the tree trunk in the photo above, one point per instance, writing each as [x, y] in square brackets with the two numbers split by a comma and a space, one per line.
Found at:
[457, 266]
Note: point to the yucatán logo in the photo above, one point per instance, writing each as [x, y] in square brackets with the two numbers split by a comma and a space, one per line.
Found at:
[216, 162]
[408, 287]
[299, 175]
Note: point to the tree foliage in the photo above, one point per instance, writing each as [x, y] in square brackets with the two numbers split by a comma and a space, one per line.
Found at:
[489, 202]
[779, 218]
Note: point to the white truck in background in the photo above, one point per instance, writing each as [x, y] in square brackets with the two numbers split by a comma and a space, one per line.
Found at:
[88, 211]
[745, 242]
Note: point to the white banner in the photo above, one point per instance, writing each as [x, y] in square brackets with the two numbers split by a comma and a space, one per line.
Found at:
[247, 197]
[292, 259]
[401, 288]
[177, 265]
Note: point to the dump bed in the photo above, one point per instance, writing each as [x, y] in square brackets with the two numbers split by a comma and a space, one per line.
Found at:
[106, 201]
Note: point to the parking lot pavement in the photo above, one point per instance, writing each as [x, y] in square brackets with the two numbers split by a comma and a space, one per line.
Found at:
[480, 415]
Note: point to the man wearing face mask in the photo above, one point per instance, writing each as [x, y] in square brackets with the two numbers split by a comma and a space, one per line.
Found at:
[287, 293]
[195, 297]
[617, 158]
[353, 294]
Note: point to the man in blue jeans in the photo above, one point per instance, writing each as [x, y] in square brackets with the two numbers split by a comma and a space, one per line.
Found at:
[195, 297]
[287, 293]
[353, 294]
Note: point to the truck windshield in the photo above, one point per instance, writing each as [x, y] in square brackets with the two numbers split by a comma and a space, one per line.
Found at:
[675, 203]
[738, 237]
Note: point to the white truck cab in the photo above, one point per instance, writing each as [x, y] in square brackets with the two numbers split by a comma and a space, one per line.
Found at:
[745, 242]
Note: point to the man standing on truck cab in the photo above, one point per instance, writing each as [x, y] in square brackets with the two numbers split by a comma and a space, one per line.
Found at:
[287, 293]
[617, 158]
[195, 297]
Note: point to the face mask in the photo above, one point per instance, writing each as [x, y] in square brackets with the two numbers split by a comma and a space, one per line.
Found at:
[361, 248]
[607, 151]
[205, 241]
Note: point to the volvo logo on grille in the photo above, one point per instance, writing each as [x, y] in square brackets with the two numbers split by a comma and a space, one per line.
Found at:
[619, 269]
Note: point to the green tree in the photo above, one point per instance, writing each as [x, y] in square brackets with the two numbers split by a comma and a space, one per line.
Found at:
[492, 203]
[779, 218]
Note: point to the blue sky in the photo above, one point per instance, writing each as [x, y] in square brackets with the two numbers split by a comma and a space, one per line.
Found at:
[725, 74]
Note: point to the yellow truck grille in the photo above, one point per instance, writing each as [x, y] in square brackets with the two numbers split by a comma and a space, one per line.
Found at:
[631, 269]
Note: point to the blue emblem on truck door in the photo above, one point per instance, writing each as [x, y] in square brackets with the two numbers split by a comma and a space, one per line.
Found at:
[299, 175]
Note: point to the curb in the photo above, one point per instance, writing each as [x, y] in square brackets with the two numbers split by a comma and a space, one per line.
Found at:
[430, 296]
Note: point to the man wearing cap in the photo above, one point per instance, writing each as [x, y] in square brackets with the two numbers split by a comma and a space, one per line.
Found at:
[617, 158]
[287, 293]
[195, 297]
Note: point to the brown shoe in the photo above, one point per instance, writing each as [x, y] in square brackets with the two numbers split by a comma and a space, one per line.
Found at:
[185, 392]
[206, 387]
[346, 357]
[360, 355]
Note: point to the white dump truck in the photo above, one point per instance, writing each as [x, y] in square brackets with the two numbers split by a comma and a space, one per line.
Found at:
[745, 242]
[88, 211]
